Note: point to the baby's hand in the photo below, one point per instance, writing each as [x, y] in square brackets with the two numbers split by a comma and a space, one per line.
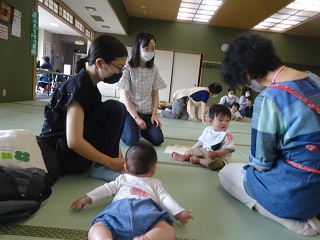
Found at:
[212, 154]
[81, 202]
[184, 216]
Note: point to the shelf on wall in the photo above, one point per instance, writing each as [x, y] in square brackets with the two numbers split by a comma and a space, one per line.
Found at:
[209, 64]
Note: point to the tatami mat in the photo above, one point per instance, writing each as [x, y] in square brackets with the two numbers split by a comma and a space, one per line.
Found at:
[217, 215]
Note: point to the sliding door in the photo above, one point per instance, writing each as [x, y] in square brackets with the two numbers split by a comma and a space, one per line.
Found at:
[186, 71]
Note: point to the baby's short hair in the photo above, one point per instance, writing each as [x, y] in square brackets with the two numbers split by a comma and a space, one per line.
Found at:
[217, 109]
[140, 158]
[236, 104]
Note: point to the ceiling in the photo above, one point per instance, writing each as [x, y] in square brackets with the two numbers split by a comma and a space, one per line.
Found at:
[242, 14]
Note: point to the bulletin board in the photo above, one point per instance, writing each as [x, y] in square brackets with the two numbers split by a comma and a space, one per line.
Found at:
[6, 12]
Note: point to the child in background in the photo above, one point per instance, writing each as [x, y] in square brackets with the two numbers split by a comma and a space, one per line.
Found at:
[235, 114]
[215, 145]
[140, 206]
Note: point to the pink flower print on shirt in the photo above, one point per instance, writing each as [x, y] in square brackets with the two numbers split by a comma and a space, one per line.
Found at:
[312, 148]
[139, 192]
[229, 136]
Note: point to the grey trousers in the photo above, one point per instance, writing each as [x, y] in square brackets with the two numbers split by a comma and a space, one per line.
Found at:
[179, 109]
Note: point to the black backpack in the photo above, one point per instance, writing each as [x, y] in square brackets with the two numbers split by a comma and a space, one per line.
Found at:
[22, 192]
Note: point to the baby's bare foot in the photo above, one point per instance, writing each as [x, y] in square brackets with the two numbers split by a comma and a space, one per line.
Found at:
[178, 156]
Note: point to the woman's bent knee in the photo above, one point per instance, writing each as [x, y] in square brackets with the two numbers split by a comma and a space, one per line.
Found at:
[157, 141]
[130, 141]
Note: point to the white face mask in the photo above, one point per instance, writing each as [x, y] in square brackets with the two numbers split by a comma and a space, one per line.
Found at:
[255, 86]
[146, 56]
[247, 94]
[230, 95]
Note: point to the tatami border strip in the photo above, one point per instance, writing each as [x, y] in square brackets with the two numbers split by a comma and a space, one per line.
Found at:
[179, 164]
[44, 232]
[47, 232]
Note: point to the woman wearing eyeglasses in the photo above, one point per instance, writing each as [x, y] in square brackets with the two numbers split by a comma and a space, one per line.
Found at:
[82, 130]
[139, 88]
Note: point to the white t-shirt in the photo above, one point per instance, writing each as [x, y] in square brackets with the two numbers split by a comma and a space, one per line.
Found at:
[129, 186]
[210, 137]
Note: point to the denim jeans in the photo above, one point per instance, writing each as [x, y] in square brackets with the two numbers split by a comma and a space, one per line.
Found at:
[131, 132]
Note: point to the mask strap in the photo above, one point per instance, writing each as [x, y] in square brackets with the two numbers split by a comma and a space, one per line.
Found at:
[109, 69]
[276, 74]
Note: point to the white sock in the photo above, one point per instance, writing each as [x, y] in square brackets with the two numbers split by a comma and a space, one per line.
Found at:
[301, 228]
[314, 223]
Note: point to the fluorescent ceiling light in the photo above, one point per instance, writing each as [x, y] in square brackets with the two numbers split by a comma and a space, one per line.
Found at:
[283, 26]
[281, 16]
[306, 14]
[277, 29]
[198, 10]
[54, 24]
[266, 24]
[193, 1]
[188, 5]
[202, 16]
[184, 18]
[79, 42]
[200, 20]
[260, 27]
[183, 14]
[208, 8]
[293, 14]
[188, 10]
[290, 22]
[288, 11]
[273, 20]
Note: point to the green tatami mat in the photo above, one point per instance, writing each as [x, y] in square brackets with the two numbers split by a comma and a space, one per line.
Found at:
[217, 215]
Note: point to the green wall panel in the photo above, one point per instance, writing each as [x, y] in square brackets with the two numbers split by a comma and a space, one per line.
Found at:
[16, 61]
[17, 64]
[301, 52]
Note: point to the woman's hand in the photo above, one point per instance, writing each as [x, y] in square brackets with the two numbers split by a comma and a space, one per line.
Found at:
[140, 123]
[117, 164]
[81, 202]
[154, 119]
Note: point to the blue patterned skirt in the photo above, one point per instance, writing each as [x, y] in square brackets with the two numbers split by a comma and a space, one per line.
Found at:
[130, 217]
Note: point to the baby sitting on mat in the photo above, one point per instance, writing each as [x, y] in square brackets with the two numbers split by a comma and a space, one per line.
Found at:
[215, 145]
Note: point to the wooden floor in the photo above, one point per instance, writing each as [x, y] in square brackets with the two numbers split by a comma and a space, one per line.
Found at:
[216, 214]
